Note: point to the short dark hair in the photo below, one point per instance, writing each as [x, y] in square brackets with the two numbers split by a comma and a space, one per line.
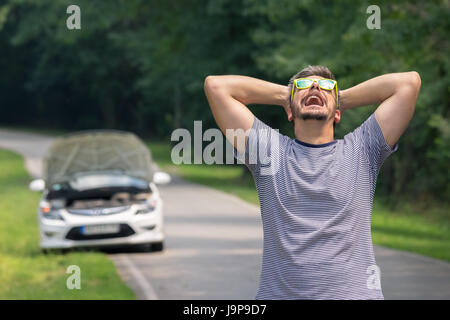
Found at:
[320, 71]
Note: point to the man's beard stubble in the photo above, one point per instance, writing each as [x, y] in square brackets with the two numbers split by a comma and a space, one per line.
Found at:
[308, 115]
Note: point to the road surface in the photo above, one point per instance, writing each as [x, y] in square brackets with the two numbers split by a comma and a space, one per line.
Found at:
[213, 245]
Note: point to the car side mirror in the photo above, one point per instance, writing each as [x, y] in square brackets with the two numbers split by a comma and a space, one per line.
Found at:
[161, 177]
[37, 185]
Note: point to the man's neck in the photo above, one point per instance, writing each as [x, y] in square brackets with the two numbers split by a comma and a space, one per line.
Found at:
[313, 131]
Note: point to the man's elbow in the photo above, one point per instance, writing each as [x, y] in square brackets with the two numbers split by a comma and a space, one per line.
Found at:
[210, 84]
[414, 80]
[409, 88]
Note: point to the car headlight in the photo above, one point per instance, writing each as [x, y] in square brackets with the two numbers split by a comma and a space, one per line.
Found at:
[145, 211]
[149, 207]
[54, 215]
[47, 212]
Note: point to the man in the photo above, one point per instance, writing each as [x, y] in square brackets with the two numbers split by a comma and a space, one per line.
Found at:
[316, 206]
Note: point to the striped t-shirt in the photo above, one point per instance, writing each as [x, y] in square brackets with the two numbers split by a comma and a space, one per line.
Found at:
[316, 205]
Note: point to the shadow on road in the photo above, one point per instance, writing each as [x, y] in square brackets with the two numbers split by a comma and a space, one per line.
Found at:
[128, 249]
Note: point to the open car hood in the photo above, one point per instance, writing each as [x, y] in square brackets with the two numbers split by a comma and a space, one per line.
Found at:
[97, 151]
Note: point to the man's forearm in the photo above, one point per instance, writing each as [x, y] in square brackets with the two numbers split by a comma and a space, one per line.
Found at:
[249, 90]
[228, 96]
[376, 90]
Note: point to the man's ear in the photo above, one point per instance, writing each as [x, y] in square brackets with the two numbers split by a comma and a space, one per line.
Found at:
[337, 116]
[289, 113]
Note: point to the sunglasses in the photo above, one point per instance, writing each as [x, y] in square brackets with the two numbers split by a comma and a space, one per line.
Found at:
[325, 84]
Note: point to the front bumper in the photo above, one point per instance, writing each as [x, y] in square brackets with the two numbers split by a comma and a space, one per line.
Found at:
[57, 234]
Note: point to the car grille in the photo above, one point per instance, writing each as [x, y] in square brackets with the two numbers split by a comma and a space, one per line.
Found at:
[98, 211]
[75, 234]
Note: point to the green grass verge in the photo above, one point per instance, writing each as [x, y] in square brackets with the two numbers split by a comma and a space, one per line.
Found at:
[26, 273]
[426, 233]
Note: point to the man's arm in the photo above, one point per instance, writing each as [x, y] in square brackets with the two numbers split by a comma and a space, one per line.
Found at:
[228, 96]
[395, 92]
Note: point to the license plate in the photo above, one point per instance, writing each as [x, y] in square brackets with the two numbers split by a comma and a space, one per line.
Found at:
[100, 229]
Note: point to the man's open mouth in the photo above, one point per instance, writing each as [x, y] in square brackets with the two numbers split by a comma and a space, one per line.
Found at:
[313, 100]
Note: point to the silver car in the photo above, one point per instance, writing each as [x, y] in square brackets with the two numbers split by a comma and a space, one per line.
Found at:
[100, 189]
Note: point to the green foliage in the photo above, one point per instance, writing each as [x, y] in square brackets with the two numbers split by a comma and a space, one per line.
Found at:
[139, 65]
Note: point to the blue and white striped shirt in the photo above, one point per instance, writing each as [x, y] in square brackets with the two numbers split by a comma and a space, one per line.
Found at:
[316, 205]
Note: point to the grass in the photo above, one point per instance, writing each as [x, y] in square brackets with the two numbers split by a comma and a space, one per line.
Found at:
[403, 228]
[426, 233]
[26, 273]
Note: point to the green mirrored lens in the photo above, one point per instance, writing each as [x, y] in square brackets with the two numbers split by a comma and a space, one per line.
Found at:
[326, 84]
[303, 83]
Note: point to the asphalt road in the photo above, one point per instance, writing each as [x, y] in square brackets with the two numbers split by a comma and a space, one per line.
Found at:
[214, 244]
